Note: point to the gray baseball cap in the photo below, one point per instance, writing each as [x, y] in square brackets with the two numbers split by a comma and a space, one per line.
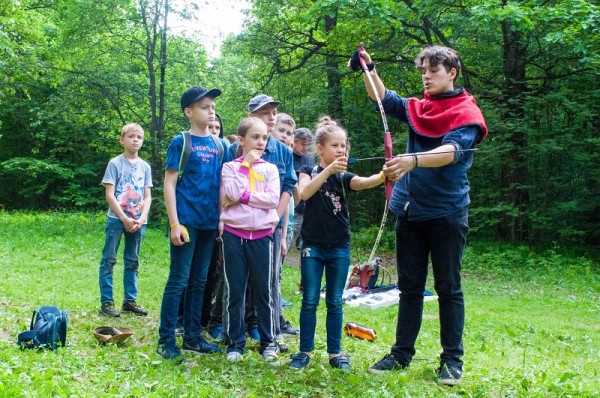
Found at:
[259, 101]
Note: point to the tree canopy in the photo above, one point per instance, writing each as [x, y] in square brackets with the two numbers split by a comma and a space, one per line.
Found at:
[73, 72]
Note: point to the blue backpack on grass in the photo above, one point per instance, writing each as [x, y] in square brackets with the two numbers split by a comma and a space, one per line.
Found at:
[48, 328]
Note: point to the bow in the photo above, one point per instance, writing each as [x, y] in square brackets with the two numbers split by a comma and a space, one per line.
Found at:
[387, 137]
[387, 141]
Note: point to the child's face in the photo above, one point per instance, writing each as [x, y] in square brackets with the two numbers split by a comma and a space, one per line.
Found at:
[267, 114]
[334, 147]
[436, 79]
[301, 147]
[214, 127]
[132, 140]
[289, 141]
[202, 112]
[256, 138]
[283, 132]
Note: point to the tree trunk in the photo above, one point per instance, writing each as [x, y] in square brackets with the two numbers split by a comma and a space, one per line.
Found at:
[334, 82]
[513, 225]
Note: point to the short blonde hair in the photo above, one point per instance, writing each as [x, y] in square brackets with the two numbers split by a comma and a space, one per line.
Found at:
[131, 127]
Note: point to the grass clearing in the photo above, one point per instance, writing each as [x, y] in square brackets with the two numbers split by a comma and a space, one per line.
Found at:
[532, 328]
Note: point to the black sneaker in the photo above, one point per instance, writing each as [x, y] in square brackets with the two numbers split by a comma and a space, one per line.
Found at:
[288, 330]
[449, 375]
[386, 364]
[299, 361]
[201, 347]
[132, 307]
[171, 353]
[340, 362]
[109, 309]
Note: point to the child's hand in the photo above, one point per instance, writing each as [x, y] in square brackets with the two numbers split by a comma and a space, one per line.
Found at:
[252, 156]
[226, 201]
[340, 165]
[128, 224]
[137, 224]
[179, 235]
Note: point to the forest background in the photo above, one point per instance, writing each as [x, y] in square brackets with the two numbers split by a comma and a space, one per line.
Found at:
[73, 72]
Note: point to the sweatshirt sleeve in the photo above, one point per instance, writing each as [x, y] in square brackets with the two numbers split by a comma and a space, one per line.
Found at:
[235, 184]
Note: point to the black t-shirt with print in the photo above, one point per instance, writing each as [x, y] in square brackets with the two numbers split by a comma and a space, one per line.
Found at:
[326, 221]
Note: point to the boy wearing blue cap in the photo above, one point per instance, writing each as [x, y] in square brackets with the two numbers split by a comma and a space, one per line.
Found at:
[192, 203]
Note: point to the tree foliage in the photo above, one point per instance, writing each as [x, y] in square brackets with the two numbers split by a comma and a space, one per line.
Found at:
[74, 72]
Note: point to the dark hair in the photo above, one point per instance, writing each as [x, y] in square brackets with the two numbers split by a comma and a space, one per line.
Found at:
[220, 125]
[436, 55]
[303, 134]
[325, 128]
[245, 125]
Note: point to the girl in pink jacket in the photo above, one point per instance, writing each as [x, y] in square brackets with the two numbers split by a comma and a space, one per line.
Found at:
[249, 198]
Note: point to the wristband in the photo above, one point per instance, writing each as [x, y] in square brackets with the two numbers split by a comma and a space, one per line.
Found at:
[174, 224]
[416, 159]
[371, 66]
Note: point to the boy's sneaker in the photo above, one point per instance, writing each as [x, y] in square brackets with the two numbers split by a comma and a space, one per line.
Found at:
[253, 334]
[109, 309]
[449, 375]
[340, 362]
[270, 356]
[282, 346]
[200, 347]
[386, 364]
[288, 330]
[234, 356]
[179, 330]
[285, 303]
[171, 353]
[215, 332]
[132, 307]
[299, 361]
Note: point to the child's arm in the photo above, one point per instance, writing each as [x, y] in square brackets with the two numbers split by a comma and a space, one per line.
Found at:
[359, 183]
[307, 187]
[178, 234]
[236, 184]
[114, 205]
[296, 195]
[286, 222]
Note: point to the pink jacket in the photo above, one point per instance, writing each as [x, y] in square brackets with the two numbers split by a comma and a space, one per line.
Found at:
[257, 190]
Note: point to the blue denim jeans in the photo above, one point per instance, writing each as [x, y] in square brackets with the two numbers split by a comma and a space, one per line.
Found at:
[444, 240]
[334, 261]
[189, 268]
[114, 229]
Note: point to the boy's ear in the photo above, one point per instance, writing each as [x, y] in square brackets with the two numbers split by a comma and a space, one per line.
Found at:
[250, 114]
[187, 112]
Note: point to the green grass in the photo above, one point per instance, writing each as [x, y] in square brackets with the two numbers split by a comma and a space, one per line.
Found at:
[532, 329]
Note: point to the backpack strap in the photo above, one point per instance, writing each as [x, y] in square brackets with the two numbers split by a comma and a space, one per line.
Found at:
[185, 153]
[27, 339]
[219, 145]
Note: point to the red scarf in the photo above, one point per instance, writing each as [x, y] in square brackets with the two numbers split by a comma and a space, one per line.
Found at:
[437, 116]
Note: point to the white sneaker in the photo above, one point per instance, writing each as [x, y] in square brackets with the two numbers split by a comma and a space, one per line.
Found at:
[270, 355]
[234, 356]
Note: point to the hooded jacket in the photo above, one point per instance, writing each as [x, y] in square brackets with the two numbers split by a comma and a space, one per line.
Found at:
[257, 191]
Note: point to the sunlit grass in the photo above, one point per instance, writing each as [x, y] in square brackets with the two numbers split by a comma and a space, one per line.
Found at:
[532, 327]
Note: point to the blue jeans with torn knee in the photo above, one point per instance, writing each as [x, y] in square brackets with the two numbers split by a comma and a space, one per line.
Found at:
[114, 230]
[444, 240]
[334, 261]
